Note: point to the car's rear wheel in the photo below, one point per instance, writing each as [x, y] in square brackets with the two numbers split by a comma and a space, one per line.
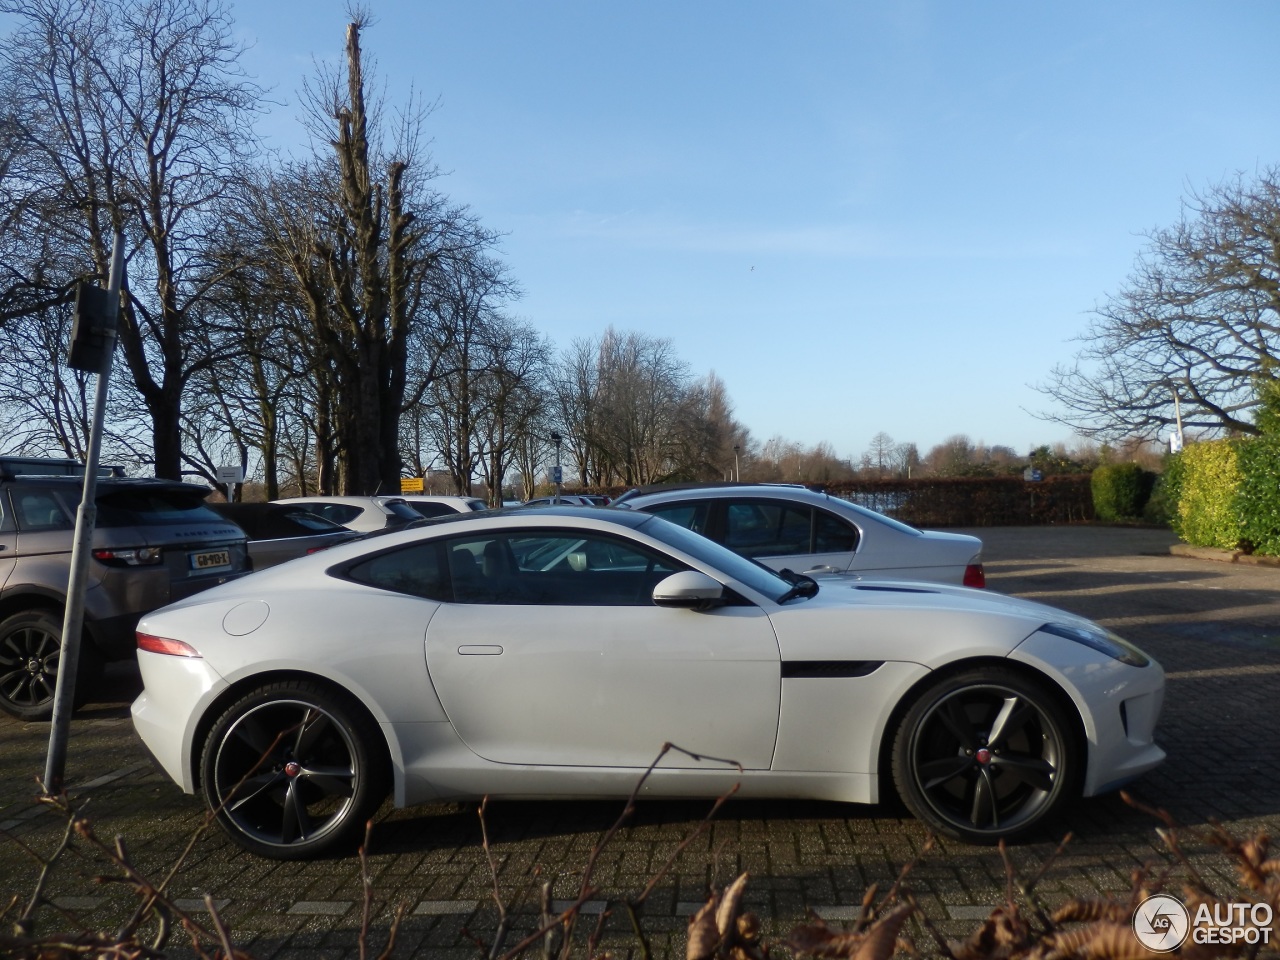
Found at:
[30, 648]
[293, 770]
[986, 754]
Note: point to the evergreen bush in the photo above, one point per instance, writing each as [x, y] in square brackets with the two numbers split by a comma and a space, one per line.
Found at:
[1120, 491]
[1208, 480]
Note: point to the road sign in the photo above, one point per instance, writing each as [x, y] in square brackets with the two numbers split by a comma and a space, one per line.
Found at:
[231, 474]
[411, 485]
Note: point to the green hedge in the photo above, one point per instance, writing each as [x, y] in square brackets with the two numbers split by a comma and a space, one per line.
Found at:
[1258, 494]
[1209, 480]
[1120, 491]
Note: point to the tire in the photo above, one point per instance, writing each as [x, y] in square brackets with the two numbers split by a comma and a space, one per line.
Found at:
[30, 648]
[986, 754]
[293, 770]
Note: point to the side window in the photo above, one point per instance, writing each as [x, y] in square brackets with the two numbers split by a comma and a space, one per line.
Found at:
[431, 509]
[757, 528]
[337, 512]
[549, 567]
[414, 570]
[692, 515]
[40, 511]
[833, 535]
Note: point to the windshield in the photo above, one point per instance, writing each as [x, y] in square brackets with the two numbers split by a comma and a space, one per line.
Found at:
[140, 507]
[754, 575]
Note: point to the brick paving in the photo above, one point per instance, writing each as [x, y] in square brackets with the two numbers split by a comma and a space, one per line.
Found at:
[1214, 626]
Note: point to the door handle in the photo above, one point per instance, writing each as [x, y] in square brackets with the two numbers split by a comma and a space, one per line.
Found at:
[480, 650]
[823, 569]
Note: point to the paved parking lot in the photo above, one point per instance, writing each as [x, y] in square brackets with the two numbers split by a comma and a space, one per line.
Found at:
[1214, 626]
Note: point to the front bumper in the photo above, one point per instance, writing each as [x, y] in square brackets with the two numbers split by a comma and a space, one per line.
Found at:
[1118, 704]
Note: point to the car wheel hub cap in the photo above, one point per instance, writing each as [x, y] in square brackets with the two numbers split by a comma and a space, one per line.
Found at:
[292, 768]
[983, 755]
[33, 667]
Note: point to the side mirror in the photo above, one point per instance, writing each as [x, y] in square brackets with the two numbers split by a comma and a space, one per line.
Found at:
[688, 588]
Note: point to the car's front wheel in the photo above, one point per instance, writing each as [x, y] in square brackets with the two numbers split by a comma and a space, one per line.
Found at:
[986, 754]
[293, 770]
[30, 648]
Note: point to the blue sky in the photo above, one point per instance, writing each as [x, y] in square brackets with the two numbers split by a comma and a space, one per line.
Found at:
[862, 217]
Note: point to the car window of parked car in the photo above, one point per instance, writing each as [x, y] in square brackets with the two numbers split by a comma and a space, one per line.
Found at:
[415, 570]
[341, 513]
[429, 509]
[276, 525]
[763, 528]
[833, 535]
[401, 510]
[40, 511]
[548, 567]
[692, 515]
[131, 508]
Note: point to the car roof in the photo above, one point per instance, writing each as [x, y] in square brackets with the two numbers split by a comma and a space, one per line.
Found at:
[109, 484]
[780, 490]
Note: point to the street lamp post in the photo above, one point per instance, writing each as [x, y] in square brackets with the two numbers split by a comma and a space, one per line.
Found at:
[558, 476]
[737, 474]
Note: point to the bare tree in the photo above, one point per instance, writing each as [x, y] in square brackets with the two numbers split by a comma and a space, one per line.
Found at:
[880, 453]
[363, 236]
[1198, 320]
[133, 115]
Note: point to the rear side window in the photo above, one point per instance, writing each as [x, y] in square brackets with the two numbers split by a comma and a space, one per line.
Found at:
[36, 511]
[401, 510]
[340, 513]
[833, 535]
[295, 523]
[414, 570]
[692, 514]
[430, 509]
[136, 508]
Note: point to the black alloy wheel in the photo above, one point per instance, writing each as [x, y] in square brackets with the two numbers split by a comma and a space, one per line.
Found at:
[985, 754]
[30, 648]
[294, 770]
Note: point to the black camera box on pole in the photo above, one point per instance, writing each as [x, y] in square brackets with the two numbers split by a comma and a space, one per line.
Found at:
[93, 330]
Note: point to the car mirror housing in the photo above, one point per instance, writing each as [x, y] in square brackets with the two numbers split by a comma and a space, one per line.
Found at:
[688, 588]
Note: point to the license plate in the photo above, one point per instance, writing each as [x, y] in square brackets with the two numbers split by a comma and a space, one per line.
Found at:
[211, 560]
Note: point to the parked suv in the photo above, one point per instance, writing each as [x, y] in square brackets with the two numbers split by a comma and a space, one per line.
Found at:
[155, 541]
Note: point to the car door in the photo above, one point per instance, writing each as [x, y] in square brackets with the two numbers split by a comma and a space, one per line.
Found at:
[554, 653]
[785, 535]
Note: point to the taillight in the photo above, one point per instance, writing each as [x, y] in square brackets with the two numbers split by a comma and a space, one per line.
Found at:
[132, 557]
[974, 576]
[163, 645]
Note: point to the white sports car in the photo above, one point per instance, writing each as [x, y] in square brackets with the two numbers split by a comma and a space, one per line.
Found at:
[551, 652]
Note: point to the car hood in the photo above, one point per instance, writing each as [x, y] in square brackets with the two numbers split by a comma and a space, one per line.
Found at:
[926, 623]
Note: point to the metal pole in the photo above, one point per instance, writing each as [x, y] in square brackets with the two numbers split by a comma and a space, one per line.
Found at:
[73, 620]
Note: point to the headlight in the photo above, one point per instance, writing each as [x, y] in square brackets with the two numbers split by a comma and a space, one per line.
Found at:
[1100, 639]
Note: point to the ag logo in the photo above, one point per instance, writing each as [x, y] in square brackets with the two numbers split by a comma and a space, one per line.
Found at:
[1161, 923]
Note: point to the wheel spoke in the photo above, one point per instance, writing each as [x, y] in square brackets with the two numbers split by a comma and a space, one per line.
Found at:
[983, 812]
[997, 731]
[252, 787]
[296, 823]
[255, 737]
[1032, 771]
[332, 781]
[935, 773]
[954, 718]
[313, 726]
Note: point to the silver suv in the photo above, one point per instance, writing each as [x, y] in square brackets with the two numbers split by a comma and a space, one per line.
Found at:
[154, 542]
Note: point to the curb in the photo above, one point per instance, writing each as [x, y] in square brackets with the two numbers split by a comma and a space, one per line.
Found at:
[1222, 556]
